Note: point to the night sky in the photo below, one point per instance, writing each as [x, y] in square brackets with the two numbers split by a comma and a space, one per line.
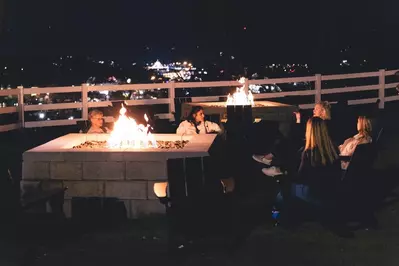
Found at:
[249, 30]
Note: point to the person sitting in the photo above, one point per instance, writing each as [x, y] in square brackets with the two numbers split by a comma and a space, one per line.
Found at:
[363, 136]
[318, 176]
[286, 149]
[96, 118]
[196, 124]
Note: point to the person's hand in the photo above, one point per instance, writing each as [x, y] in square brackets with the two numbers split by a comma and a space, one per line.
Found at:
[297, 117]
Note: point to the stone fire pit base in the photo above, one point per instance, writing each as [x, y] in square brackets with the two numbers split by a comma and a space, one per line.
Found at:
[127, 175]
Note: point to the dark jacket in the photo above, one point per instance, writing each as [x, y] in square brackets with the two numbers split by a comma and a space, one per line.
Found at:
[323, 180]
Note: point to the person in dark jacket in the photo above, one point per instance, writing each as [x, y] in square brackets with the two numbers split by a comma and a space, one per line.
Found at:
[319, 173]
[317, 182]
[286, 150]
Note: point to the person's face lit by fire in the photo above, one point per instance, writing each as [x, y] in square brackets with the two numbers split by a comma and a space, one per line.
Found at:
[319, 111]
[97, 120]
[199, 116]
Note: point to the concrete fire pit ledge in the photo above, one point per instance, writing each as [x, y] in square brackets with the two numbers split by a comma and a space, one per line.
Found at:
[126, 174]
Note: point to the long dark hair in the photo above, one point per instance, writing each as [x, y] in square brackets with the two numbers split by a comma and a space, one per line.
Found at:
[191, 118]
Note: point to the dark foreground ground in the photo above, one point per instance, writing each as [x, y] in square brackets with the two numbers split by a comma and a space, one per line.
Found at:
[144, 242]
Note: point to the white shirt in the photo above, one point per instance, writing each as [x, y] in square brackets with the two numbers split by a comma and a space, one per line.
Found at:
[349, 146]
[188, 128]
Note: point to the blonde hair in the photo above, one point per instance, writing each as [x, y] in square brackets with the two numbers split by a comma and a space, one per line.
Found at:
[365, 127]
[317, 136]
[95, 112]
[326, 106]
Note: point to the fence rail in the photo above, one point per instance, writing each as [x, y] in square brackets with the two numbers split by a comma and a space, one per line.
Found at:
[84, 89]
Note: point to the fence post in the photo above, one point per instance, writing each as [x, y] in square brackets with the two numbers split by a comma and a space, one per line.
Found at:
[381, 88]
[246, 86]
[171, 94]
[317, 88]
[85, 109]
[21, 111]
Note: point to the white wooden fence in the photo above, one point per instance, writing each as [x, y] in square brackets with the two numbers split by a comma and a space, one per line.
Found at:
[84, 105]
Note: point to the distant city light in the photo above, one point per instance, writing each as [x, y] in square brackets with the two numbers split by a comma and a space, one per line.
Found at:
[232, 57]
[5, 67]
[153, 77]
[42, 115]
[184, 63]
[70, 118]
[129, 80]
[344, 62]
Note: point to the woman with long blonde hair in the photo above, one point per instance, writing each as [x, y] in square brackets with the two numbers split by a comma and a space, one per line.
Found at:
[319, 143]
[319, 172]
[318, 179]
[363, 136]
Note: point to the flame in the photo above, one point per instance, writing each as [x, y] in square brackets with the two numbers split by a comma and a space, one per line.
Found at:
[128, 134]
[240, 97]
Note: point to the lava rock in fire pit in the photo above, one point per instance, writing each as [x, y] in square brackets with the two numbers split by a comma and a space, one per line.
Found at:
[160, 143]
[91, 145]
[171, 144]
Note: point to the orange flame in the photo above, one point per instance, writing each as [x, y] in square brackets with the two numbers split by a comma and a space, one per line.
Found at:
[128, 134]
[240, 97]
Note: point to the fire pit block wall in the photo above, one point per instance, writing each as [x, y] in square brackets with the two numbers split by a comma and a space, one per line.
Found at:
[128, 174]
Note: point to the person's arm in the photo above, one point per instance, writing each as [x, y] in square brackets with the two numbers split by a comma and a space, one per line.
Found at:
[213, 128]
[181, 130]
[298, 128]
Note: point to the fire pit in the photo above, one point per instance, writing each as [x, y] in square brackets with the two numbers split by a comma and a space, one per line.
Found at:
[117, 165]
[128, 174]
[241, 99]
[265, 110]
